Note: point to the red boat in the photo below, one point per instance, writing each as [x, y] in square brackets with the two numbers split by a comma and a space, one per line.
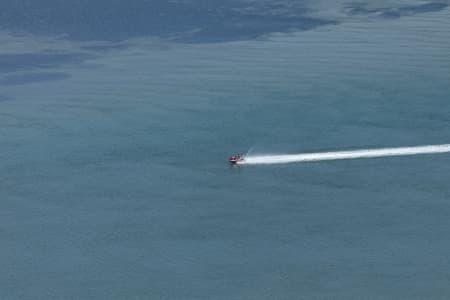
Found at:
[236, 159]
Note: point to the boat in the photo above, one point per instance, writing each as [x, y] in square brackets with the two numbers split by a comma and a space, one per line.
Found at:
[236, 159]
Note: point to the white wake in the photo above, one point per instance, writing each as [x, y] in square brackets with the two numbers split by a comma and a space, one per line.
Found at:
[353, 154]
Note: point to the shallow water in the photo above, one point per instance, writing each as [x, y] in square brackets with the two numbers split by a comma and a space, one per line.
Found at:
[114, 181]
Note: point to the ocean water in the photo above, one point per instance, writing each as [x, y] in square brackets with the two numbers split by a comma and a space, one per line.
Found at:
[114, 182]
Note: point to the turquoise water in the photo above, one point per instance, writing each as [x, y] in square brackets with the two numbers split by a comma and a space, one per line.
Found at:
[114, 181]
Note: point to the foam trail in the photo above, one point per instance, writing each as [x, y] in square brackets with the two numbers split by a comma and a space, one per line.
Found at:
[353, 154]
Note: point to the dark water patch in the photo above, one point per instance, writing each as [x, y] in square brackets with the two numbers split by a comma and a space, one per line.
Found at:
[412, 10]
[388, 12]
[4, 98]
[30, 61]
[191, 21]
[32, 77]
